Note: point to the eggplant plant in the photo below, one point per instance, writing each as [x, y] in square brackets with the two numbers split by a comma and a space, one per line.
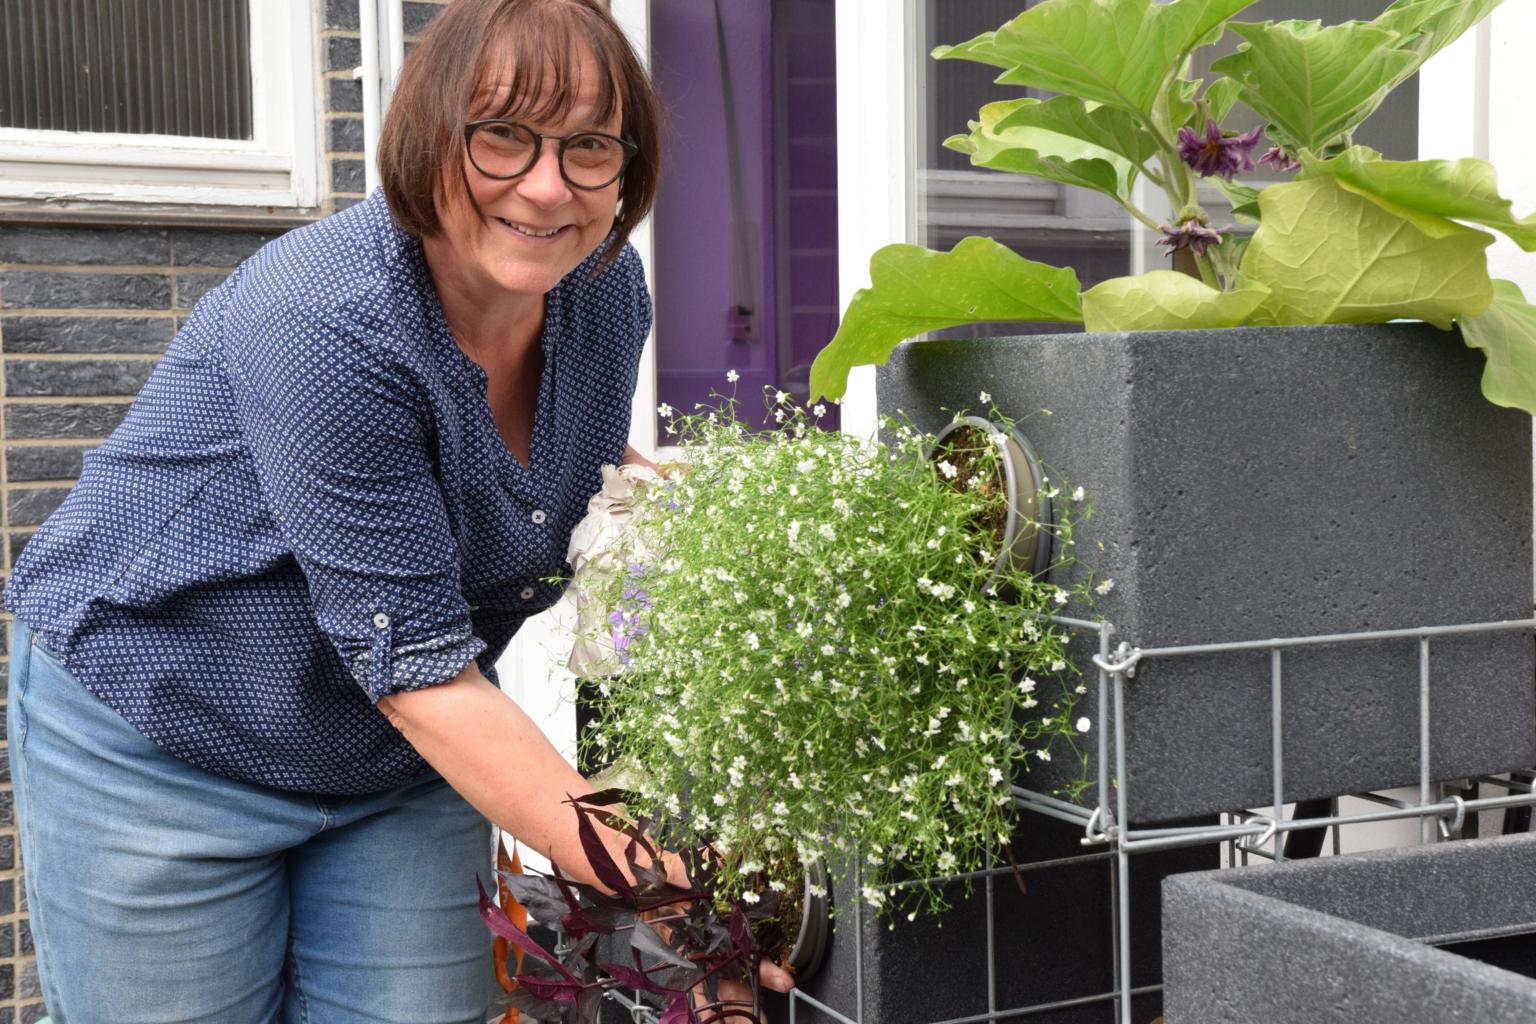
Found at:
[1347, 237]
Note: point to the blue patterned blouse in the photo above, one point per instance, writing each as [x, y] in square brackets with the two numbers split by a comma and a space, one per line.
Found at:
[309, 507]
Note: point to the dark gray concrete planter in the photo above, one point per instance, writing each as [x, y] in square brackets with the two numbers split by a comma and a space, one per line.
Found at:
[1052, 942]
[1258, 483]
[1353, 940]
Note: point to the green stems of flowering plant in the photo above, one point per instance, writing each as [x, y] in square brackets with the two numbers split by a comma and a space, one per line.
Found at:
[812, 659]
[1345, 236]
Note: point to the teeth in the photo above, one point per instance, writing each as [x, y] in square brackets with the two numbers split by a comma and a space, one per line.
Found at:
[530, 232]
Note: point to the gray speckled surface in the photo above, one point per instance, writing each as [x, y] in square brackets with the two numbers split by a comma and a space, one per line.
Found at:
[1341, 940]
[1052, 942]
[1257, 483]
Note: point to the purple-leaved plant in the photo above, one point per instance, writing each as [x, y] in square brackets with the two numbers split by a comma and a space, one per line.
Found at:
[646, 934]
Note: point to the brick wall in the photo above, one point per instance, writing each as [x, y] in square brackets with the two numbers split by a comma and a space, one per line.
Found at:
[86, 309]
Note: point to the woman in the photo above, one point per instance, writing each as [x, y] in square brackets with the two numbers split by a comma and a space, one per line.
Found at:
[254, 732]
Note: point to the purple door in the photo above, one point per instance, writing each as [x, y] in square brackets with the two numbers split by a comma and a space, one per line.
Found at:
[746, 219]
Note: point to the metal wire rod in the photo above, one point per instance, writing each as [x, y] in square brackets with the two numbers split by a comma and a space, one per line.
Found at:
[1136, 654]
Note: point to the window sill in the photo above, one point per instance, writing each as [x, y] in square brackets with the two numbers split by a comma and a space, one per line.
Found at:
[94, 213]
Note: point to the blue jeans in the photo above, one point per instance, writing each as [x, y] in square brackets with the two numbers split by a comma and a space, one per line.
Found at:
[162, 894]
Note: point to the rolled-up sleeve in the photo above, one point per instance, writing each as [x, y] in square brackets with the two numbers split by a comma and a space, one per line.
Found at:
[340, 434]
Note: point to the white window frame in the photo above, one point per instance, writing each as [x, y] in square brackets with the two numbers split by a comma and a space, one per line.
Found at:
[278, 167]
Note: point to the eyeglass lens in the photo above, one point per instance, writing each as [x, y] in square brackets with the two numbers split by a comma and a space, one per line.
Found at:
[505, 149]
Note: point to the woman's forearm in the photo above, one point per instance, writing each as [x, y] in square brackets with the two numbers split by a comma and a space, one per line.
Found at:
[492, 753]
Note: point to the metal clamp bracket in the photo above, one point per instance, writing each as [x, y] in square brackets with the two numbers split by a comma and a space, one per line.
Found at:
[1125, 661]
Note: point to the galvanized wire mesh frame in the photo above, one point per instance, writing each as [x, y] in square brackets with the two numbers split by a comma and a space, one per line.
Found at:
[1247, 832]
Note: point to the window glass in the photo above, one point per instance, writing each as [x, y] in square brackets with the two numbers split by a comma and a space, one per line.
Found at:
[141, 67]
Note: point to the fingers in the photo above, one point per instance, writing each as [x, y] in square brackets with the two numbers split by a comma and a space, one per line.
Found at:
[775, 977]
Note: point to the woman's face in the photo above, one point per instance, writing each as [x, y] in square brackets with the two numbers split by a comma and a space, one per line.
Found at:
[536, 228]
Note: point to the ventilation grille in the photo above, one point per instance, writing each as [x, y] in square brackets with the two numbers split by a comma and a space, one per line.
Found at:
[143, 67]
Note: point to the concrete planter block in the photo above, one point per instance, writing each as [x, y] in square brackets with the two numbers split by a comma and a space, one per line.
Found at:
[1274, 482]
[1052, 942]
[1406, 936]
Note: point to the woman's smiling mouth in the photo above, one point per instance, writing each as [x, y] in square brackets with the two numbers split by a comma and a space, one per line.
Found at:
[532, 233]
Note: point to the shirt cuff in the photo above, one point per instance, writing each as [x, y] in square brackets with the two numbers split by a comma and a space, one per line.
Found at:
[388, 668]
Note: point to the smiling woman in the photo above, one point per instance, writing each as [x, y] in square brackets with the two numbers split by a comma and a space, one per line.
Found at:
[252, 708]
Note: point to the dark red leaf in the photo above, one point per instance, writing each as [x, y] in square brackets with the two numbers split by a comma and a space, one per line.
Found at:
[560, 990]
[502, 925]
[678, 1011]
[598, 857]
[632, 978]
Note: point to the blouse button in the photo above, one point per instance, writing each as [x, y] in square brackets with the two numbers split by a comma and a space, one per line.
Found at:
[527, 593]
[538, 516]
[381, 620]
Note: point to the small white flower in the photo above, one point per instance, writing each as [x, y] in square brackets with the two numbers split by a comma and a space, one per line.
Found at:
[995, 775]
[1027, 685]
[1105, 587]
[985, 398]
[781, 397]
[1060, 597]
[827, 532]
[1077, 494]
[753, 641]
[1058, 666]
[664, 409]
[750, 897]
[1084, 724]
[1044, 755]
[818, 410]
[948, 469]
[732, 376]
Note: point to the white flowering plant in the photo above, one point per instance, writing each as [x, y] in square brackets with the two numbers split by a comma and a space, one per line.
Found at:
[811, 653]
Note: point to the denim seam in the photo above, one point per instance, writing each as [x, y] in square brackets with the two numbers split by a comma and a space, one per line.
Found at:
[298, 982]
[42, 948]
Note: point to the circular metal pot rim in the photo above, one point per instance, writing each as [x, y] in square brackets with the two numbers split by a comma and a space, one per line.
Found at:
[810, 947]
[1025, 545]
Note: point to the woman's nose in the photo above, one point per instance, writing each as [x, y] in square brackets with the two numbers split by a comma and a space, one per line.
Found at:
[542, 183]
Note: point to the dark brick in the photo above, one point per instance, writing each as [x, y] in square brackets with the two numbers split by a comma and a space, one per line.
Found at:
[343, 54]
[216, 248]
[345, 135]
[344, 95]
[85, 333]
[97, 378]
[341, 15]
[24, 464]
[30, 506]
[49, 420]
[24, 945]
[343, 202]
[347, 176]
[7, 886]
[7, 940]
[5, 648]
[82, 245]
[26, 985]
[192, 287]
[7, 852]
[7, 979]
[417, 15]
[32, 1013]
[45, 289]
[18, 542]
[5, 773]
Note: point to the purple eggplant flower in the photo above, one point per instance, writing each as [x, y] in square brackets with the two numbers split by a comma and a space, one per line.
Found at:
[1191, 234]
[1279, 159]
[1218, 153]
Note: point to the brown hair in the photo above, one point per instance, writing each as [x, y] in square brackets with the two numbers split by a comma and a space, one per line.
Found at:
[536, 46]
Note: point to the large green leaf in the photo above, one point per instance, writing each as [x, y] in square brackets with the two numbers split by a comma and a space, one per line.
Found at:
[1042, 153]
[1101, 126]
[1428, 26]
[1219, 97]
[1465, 189]
[1166, 300]
[914, 290]
[1314, 83]
[1119, 52]
[1329, 255]
[1506, 332]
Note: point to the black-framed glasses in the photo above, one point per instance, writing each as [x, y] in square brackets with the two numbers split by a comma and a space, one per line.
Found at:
[506, 149]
